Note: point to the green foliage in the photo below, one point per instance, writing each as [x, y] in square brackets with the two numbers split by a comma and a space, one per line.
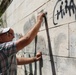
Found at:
[1, 21]
[1, 13]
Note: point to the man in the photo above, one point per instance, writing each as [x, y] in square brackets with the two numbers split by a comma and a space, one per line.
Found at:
[9, 48]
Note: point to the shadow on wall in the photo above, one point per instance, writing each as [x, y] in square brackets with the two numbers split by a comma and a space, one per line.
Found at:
[29, 24]
[37, 44]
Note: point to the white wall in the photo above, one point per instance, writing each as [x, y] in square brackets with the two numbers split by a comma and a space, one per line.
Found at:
[21, 16]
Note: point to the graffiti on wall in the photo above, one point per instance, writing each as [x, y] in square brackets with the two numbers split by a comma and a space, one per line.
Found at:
[66, 7]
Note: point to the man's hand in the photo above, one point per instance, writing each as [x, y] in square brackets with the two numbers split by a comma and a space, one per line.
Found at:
[38, 56]
[23, 60]
[40, 17]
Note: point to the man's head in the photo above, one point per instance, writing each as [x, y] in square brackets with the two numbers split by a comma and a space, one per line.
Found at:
[6, 35]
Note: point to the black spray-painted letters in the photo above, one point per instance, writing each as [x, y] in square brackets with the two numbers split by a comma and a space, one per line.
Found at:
[65, 7]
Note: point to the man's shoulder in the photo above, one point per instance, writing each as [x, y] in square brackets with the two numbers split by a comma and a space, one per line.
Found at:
[6, 44]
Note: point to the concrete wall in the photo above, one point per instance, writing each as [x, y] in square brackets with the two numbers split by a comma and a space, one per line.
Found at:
[57, 43]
